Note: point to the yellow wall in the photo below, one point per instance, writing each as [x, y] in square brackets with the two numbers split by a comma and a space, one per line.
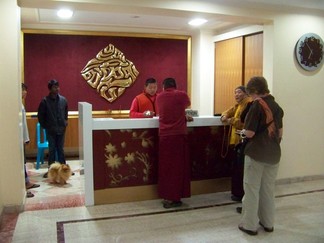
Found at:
[11, 165]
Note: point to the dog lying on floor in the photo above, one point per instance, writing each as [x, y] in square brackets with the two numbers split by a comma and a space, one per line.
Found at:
[59, 173]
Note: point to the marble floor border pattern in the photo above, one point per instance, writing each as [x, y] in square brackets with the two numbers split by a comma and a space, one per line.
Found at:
[60, 224]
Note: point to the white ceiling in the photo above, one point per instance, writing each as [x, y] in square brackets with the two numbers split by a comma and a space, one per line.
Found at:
[156, 15]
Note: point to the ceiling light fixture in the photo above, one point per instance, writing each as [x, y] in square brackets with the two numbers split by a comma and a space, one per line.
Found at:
[65, 13]
[197, 22]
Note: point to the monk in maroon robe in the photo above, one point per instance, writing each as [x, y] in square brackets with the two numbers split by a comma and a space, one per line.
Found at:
[174, 164]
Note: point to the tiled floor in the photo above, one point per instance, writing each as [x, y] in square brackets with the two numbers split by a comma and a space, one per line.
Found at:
[47, 196]
[50, 196]
[203, 218]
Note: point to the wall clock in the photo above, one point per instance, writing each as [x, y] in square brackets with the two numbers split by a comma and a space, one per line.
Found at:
[309, 51]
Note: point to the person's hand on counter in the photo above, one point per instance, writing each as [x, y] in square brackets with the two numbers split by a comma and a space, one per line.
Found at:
[189, 118]
[224, 119]
[148, 113]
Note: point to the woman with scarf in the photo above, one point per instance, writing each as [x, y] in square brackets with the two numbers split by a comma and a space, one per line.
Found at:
[263, 127]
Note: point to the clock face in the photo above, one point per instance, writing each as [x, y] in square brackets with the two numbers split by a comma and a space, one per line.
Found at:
[309, 51]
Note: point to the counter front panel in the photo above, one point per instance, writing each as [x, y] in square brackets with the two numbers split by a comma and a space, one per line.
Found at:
[129, 157]
[120, 157]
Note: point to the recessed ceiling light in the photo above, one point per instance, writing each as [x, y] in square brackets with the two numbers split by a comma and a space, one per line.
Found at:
[197, 22]
[65, 13]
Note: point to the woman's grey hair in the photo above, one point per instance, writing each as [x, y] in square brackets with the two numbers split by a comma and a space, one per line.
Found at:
[257, 85]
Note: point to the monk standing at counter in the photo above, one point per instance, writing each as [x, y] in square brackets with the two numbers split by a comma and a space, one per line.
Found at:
[174, 164]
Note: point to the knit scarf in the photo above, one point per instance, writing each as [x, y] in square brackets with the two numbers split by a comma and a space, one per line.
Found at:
[269, 117]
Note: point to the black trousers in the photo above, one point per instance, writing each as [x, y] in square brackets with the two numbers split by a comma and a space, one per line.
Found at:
[238, 171]
[55, 148]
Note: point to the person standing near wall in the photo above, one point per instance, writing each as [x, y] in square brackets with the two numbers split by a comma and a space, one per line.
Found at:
[53, 116]
[263, 127]
[174, 164]
[143, 105]
[232, 116]
[26, 140]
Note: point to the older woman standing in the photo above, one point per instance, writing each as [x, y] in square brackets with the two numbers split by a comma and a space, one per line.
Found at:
[263, 127]
[232, 116]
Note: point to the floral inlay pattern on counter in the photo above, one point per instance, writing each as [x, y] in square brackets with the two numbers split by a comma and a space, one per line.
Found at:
[129, 156]
[125, 158]
[115, 158]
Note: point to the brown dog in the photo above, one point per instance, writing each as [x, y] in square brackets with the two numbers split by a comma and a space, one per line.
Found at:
[59, 173]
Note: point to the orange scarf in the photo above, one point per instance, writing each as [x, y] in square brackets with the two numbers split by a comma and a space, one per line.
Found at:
[269, 117]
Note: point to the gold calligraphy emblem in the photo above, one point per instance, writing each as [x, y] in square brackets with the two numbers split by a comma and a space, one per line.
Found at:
[110, 73]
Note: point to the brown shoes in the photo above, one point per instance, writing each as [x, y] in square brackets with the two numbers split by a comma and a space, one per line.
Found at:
[239, 210]
[266, 229]
[249, 232]
[236, 198]
[32, 185]
[29, 194]
[171, 204]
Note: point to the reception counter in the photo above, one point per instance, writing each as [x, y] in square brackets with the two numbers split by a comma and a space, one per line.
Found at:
[120, 157]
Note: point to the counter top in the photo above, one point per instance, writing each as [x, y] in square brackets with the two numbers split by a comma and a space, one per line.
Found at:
[111, 124]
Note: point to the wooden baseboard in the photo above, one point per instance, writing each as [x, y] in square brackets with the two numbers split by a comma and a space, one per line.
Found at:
[149, 192]
[69, 152]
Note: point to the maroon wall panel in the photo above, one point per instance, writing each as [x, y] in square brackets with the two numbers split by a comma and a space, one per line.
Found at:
[62, 57]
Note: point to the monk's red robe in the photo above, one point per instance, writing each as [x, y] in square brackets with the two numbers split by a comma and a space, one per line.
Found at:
[174, 163]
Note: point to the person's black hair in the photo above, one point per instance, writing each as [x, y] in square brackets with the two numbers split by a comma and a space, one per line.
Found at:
[52, 82]
[169, 83]
[150, 81]
[23, 86]
[257, 85]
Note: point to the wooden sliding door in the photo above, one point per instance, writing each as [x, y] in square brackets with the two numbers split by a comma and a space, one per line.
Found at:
[228, 72]
[253, 56]
[236, 61]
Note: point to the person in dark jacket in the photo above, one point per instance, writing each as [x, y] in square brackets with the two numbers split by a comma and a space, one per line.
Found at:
[53, 117]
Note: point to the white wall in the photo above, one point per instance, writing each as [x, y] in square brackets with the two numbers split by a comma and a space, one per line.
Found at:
[11, 164]
[202, 98]
[301, 95]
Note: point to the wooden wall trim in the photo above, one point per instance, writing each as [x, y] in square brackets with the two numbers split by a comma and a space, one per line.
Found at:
[71, 137]
[149, 192]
